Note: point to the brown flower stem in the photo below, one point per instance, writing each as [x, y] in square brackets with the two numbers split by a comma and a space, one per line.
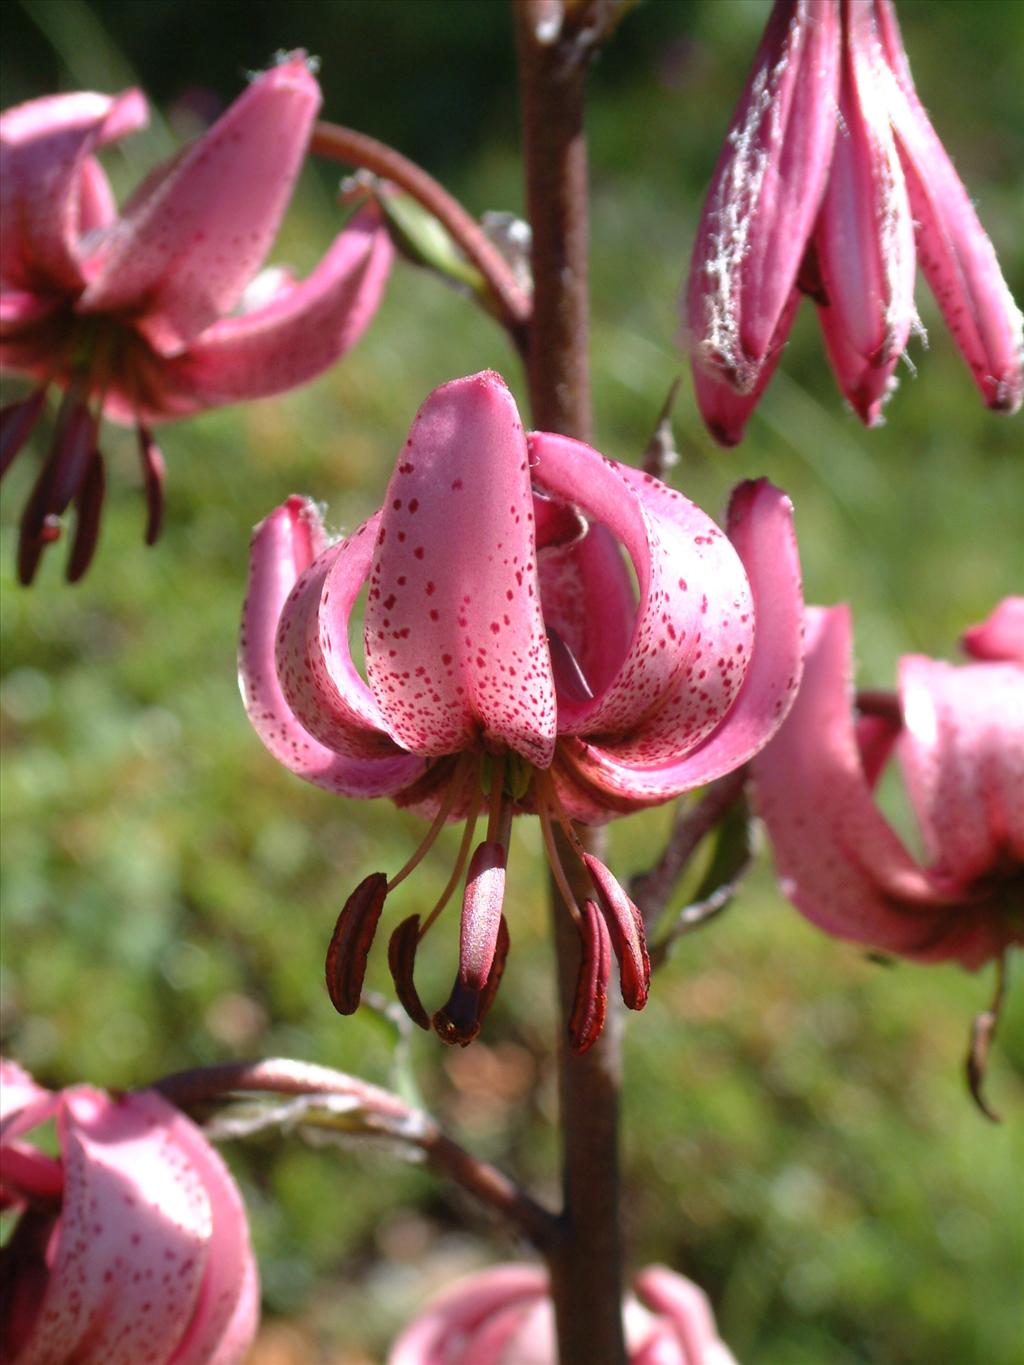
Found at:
[358, 149]
[586, 1260]
[386, 1115]
[551, 85]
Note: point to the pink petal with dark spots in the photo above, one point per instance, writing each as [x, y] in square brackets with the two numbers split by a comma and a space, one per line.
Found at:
[761, 529]
[284, 546]
[962, 754]
[589, 602]
[651, 706]
[455, 647]
[306, 327]
[838, 859]
[52, 188]
[183, 252]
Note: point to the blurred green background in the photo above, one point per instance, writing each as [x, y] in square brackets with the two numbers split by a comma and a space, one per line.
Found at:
[797, 1134]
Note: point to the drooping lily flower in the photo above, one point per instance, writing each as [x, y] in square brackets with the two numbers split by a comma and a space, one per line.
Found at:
[510, 667]
[155, 314]
[832, 182]
[958, 732]
[131, 1245]
[503, 1316]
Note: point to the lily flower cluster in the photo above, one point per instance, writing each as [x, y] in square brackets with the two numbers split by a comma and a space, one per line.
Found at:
[512, 667]
[959, 734]
[155, 314]
[131, 1245]
[503, 1316]
[833, 182]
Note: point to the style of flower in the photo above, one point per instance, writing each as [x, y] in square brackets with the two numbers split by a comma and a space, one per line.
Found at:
[131, 1245]
[147, 316]
[959, 735]
[832, 182]
[511, 668]
[503, 1316]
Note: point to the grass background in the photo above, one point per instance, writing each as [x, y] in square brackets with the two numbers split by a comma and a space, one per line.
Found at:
[797, 1136]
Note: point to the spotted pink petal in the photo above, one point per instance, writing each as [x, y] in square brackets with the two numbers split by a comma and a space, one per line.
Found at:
[183, 252]
[652, 706]
[962, 754]
[761, 529]
[318, 676]
[226, 1314]
[1000, 636]
[304, 328]
[455, 645]
[764, 195]
[954, 251]
[284, 546]
[133, 1237]
[838, 859]
[589, 603]
[53, 191]
[864, 236]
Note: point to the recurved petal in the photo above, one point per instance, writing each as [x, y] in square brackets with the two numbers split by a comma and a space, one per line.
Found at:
[227, 1310]
[315, 668]
[284, 546]
[838, 860]
[864, 237]
[652, 705]
[130, 1200]
[955, 253]
[589, 604]
[765, 194]
[761, 529]
[305, 328]
[52, 190]
[183, 252]
[455, 643]
[1000, 636]
[962, 753]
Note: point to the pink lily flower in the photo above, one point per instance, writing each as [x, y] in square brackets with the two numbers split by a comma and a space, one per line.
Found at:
[503, 1316]
[131, 1246]
[832, 182]
[510, 668]
[959, 735]
[155, 314]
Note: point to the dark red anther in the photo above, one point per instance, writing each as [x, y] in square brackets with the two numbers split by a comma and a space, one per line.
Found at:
[16, 423]
[401, 960]
[460, 1018]
[59, 481]
[591, 1003]
[350, 943]
[153, 473]
[481, 914]
[88, 509]
[626, 926]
